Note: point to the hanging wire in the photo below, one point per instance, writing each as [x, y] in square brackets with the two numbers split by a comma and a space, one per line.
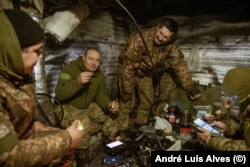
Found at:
[146, 47]
[16, 4]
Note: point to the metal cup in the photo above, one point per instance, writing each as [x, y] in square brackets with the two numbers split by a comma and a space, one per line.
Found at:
[144, 156]
[186, 118]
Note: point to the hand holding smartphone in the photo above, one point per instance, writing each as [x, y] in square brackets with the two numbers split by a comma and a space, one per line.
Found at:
[200, 123]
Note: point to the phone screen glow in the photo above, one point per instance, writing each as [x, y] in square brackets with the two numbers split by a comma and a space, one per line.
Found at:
[114, 144]
[206, 126]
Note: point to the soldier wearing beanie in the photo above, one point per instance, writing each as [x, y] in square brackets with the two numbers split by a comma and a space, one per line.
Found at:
[28, 31]
[236, 131]
[24, 141]
[18, 31]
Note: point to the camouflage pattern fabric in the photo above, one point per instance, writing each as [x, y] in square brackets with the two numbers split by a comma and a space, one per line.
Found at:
[135, 61]
[162, 91]
[222, 143]
[124, 113]
[136, 72]
[232, 127]
[28, 148]
[146, 98]
[20, 144]
[145, 93]
[166, 84]
[89, 117]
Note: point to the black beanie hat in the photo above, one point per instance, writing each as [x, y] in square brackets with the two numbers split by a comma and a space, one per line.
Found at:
[27, 30]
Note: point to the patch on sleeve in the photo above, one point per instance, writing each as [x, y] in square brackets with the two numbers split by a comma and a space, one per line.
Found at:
[4, 130]
[64, 76]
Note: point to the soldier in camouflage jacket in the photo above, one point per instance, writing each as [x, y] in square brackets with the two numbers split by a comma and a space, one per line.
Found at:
[24, 141]
[236, 133]
[137, 65]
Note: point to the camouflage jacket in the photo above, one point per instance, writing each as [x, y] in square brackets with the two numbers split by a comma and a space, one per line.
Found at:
[242, 129]
[20, 145]
[135, 60]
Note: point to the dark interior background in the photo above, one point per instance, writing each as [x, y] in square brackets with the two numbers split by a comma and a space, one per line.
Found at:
[145, 10]
[213, 34]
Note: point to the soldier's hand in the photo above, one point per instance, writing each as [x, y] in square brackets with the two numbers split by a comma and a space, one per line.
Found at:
[113, 106]
[246, 112]
[194, 94]
[76, 131]
[219, 125]
[40, 127]
[84, 77]
[203, 134]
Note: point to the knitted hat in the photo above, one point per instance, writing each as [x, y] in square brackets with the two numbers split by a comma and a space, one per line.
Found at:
[27, 30]
[237, 82]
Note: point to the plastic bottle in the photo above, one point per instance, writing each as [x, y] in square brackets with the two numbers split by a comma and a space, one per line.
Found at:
[165, 111]
[171, 116]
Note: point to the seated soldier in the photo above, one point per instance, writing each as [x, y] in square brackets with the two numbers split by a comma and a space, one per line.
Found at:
[81, 88]
[24, 141]
[236, 82]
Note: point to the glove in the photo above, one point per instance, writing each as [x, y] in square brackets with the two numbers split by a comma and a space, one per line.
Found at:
[124, 97]
[193, 94]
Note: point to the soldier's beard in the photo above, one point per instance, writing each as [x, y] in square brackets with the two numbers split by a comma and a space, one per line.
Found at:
[159, 44]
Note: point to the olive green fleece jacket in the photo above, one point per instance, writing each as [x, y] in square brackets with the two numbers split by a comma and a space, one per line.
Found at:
[68, 91]
[20, 145]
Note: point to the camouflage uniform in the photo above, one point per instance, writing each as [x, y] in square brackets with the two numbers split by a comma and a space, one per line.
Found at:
[93, 119]
[137, 72]
[20, 145]
[87, 103]
[163, 90]
[237, 135]
[228, 142]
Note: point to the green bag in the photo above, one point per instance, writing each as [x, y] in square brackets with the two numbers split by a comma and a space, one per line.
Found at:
[209, 95]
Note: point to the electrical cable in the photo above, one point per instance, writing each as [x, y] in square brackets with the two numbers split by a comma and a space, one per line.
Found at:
[139, 31]
[145, 45]
[16, 4]
[40, 109]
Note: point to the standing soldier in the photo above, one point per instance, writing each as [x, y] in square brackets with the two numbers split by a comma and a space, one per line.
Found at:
[137, 65]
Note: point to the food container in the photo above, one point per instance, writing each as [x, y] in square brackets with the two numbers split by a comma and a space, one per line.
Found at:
[202, 111]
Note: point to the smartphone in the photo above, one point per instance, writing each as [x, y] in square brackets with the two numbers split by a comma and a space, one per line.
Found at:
[194, 126]
[114, 144]
[205, 125]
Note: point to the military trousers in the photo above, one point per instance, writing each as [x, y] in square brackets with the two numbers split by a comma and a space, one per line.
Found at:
[162, 91]
[143, 93]
[93, 118]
